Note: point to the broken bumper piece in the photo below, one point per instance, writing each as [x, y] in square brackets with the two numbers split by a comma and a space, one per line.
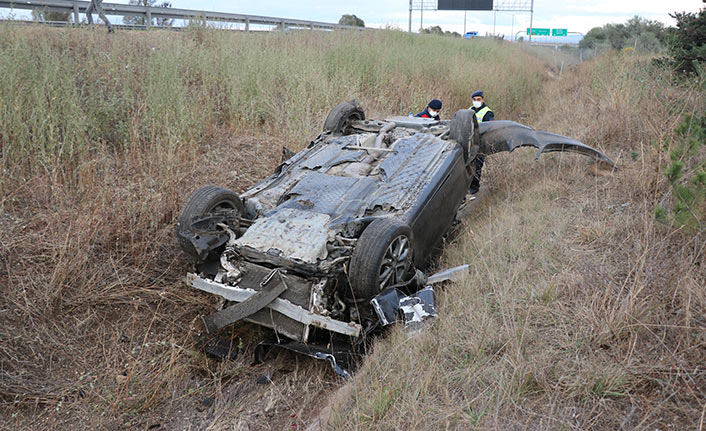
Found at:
[393, 306]
[279, 314]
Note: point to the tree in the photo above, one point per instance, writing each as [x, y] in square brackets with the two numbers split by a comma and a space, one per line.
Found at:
[351, 20]
[140, 20]
[47, 15]
[687, 42]
[438, 30]
[595, 38]
[643, 34]
[433, 30]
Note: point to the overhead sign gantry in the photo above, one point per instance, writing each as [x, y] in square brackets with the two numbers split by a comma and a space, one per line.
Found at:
[526, 6]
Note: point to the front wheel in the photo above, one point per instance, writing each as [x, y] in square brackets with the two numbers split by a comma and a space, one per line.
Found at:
[464, 130]
[381, 258]
[339, 119]
[208, 200]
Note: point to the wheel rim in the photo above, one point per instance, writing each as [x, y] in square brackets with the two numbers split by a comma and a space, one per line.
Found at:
[346, 125]
[222, 206]
[395, 262]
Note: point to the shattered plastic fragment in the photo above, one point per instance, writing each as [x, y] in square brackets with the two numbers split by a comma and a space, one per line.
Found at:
[452, 274]
[393, 306]
[342, 357]
[332, 359]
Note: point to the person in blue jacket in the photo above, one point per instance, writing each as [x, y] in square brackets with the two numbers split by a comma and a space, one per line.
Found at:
[432, 110]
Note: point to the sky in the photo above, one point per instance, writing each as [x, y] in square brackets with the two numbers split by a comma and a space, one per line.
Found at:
[574, 15]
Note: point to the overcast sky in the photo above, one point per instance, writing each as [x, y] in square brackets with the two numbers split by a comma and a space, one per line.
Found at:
[574, 15]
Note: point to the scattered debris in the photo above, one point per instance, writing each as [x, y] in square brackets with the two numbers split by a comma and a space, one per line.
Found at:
[392, 306]
[343, 357]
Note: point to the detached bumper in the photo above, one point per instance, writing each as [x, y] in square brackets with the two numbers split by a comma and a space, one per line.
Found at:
[281, 315]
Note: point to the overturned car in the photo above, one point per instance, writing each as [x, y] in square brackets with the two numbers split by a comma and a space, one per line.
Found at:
[357, 212]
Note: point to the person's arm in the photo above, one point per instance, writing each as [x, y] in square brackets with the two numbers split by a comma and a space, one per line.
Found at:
[489, 116]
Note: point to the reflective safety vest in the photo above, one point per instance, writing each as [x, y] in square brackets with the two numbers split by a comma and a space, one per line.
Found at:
[480, 114]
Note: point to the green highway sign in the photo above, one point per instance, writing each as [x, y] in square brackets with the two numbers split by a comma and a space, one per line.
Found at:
[539, 32]
[559, 32]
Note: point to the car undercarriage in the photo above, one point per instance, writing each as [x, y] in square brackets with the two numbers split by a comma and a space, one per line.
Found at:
[336, 241]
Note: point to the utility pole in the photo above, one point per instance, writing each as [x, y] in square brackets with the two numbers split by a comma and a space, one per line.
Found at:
[464, 21]
[494, 15]
[512, 32]
[410, 16]
[531, 17]
[421, 17]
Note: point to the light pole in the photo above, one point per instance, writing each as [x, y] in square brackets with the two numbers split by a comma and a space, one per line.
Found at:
[531, 18]
[494, 15]
[464, 22]
[421, 17]
[410, 16]
[512, 32]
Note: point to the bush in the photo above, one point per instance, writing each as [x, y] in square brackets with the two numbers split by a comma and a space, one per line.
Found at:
[687, 44]
[351, 20]
[687, 175]
[639, 33]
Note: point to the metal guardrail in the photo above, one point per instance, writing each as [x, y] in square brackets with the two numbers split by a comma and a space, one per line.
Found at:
[79, 7]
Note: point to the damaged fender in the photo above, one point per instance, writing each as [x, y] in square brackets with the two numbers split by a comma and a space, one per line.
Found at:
[502, 135]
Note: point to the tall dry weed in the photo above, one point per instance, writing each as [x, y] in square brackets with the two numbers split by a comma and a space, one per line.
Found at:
[104, 136]
[580, 311]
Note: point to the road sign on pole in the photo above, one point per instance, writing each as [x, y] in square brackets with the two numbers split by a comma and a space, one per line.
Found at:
[465, 5]
[559, 32]
[538, 32]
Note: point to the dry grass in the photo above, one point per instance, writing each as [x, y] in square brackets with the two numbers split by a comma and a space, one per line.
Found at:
[102, 138]
[580, 311]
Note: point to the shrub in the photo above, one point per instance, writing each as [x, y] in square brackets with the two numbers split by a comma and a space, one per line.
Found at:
[687, 176]
[687, 44]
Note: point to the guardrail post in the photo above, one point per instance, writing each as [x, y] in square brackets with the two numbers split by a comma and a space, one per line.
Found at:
[76, 18]
[247, 24]
[148, 19]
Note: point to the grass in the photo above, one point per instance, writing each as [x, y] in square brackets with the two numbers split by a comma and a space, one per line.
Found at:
[104, 136]
[581, 311]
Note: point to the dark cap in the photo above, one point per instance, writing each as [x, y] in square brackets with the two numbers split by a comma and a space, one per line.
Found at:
[435, 104]
[477, 93]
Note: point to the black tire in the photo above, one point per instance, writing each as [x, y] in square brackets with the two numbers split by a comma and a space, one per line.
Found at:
[464, 130]
[202, 202]
[338, 120]
[371, 256]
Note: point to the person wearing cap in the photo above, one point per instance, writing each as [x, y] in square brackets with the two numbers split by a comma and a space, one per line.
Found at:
[432, 110]
[483, 114]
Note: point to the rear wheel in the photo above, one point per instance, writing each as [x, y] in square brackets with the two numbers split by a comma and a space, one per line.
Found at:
[339, 119]
[381, 258]
[464, 130]
[207, 200]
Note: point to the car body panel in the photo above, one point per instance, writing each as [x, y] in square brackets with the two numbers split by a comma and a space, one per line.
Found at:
[303, 222]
